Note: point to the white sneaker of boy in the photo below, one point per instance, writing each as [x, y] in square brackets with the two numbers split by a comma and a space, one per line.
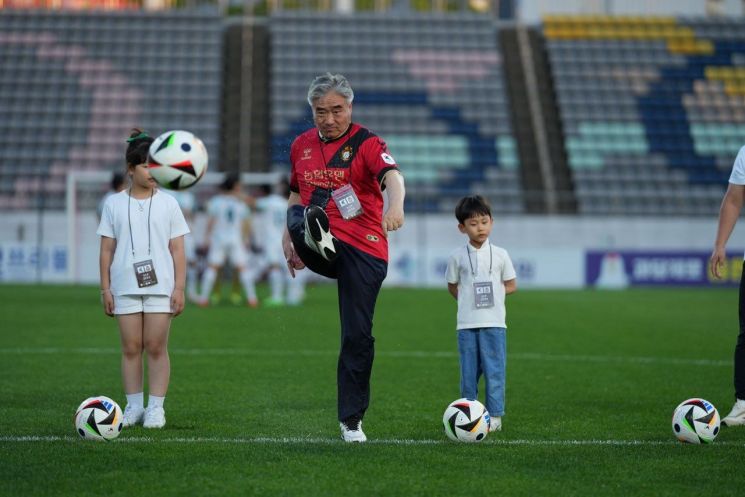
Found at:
[132, 415]
[155, 417]
[495, 424]
[737, 415]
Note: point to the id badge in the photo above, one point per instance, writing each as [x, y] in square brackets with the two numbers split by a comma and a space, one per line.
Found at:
[483, 292]
[145, 273]
[347, 202]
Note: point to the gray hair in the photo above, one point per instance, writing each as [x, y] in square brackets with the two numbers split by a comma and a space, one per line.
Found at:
[328, 82]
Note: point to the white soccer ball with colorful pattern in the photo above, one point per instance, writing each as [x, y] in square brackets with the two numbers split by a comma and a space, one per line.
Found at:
[466, 421]
[696, 421]
[98, 418]
[178, 159]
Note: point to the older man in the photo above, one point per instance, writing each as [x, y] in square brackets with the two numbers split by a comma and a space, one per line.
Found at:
[336, 227]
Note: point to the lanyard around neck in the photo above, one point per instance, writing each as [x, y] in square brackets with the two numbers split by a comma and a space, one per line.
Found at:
[468, 251]
[129, 220]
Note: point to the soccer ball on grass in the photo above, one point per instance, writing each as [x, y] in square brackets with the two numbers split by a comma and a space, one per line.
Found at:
[696, 421]
[98, 418]
[466, 421]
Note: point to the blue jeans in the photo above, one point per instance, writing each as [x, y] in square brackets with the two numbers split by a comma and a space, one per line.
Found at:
[483, 350]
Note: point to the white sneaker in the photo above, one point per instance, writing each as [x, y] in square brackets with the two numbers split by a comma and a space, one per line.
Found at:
[155, 417]
[495, 424]
[318, 235]
[132, 415]
[351, 431]
[737, 415]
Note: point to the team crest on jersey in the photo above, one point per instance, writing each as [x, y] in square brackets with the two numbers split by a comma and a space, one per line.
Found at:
[372, 238]
[306, 154]
[346, 153]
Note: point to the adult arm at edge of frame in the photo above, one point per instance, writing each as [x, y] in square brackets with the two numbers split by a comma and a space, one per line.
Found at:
[728, 214]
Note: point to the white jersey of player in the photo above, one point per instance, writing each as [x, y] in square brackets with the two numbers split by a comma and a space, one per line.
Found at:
[271, 227]
[188, 203]
[226, 240]
[229, 214]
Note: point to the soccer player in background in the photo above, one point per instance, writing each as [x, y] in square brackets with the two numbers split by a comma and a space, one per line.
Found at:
[337, 228]
[117, 185]
[728, 214]
[143, 271]
[188, 204]
[227, 232]
[270, 224]
[479, 276]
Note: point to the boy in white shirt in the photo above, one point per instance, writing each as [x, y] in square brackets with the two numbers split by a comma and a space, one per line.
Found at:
[479, 276]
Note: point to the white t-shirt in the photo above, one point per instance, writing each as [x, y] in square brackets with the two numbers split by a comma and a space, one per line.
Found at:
[229, 213]
[99, 207]
[738, 169]
[188, 204]
[166, 222]
[185, 200]
[462, 264]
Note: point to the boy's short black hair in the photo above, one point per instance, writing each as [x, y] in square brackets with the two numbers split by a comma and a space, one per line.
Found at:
[470, 206]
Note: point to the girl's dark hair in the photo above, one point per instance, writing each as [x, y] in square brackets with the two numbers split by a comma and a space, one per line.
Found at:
[470, 206]
[138, 147]
[229, 182]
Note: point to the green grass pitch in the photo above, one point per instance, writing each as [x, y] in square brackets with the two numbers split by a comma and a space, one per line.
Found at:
[592, 379]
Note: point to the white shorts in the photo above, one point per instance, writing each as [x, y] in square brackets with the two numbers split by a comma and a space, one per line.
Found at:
[236, 253]
[132, 304]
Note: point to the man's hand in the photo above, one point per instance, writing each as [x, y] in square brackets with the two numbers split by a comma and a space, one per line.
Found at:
[393, 219]
[293, 260]
[718, 258]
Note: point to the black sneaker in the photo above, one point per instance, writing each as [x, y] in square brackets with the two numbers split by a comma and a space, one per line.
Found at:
[351, 430]
[318, 235]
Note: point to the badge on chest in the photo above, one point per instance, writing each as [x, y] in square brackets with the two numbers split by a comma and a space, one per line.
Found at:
[483, 292]
[145, 273]
[347, 202]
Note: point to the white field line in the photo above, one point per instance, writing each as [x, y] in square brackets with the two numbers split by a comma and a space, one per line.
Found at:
[338, 441]
[403, 354]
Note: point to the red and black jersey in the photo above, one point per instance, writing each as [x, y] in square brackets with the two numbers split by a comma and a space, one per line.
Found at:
[359, 158]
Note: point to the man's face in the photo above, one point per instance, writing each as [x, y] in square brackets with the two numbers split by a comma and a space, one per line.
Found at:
[332, 115]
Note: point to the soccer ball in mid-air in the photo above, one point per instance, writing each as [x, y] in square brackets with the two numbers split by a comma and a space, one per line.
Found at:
[98, 418]
[696, 421]
[177, 160]
[466, 421]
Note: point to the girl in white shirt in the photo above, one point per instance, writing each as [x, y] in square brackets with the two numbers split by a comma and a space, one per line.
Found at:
[143, 270]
